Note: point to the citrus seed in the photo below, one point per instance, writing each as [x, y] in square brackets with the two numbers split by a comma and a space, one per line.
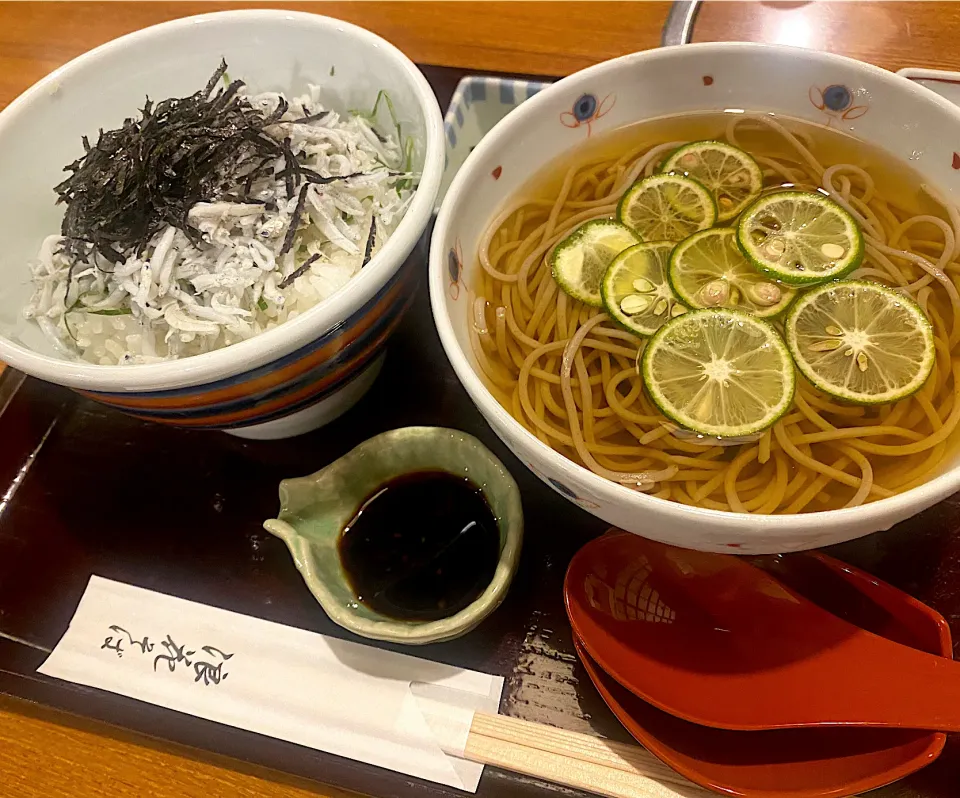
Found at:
[775, 247]
[832, 250]
[765, 293]
[634, 303]
[715, 293]
[827, 345]
[642, 285]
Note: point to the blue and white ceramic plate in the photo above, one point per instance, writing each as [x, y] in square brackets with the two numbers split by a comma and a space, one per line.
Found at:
[478, 104]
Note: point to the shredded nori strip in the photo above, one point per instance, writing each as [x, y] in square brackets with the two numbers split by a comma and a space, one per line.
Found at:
[147, 174]
[223, 97]
[278, 112]
[110, 312]
[294, 220]
[75, 249]
[315, 177]
[288, 280]
[260, 170]
[291, 173]
[214, 78]
[312, 118]
[371, 240]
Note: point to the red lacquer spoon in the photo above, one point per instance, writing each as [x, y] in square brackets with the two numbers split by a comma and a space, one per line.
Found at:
[797, 763]
[718, 642]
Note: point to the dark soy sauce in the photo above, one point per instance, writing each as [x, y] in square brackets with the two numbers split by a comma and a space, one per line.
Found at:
[421, 547]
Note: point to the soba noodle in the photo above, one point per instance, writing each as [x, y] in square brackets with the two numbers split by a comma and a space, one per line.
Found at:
[570, 375]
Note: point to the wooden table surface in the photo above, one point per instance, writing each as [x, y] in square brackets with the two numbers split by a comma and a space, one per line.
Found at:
[43, 753]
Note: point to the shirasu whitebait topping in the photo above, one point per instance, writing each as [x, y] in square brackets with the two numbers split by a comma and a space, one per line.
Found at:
[275, 236]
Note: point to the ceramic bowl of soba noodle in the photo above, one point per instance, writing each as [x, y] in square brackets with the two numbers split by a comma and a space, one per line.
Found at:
[709, 294]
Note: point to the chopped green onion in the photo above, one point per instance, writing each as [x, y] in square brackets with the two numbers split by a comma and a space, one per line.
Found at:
[408, 148]
[372, 116]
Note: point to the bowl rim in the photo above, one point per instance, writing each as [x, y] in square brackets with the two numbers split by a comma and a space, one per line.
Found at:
[292, 334]
[745, 525]
[415, 632]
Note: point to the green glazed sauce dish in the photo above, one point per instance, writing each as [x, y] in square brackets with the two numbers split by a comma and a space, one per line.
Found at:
[315, 509]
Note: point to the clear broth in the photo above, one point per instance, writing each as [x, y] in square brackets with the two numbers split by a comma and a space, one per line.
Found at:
[893, 177]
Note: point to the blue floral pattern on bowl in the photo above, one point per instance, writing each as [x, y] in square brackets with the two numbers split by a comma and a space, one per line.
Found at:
[586, 110]
[837, 102]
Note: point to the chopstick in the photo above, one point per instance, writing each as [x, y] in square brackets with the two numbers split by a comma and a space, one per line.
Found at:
[574, 760]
